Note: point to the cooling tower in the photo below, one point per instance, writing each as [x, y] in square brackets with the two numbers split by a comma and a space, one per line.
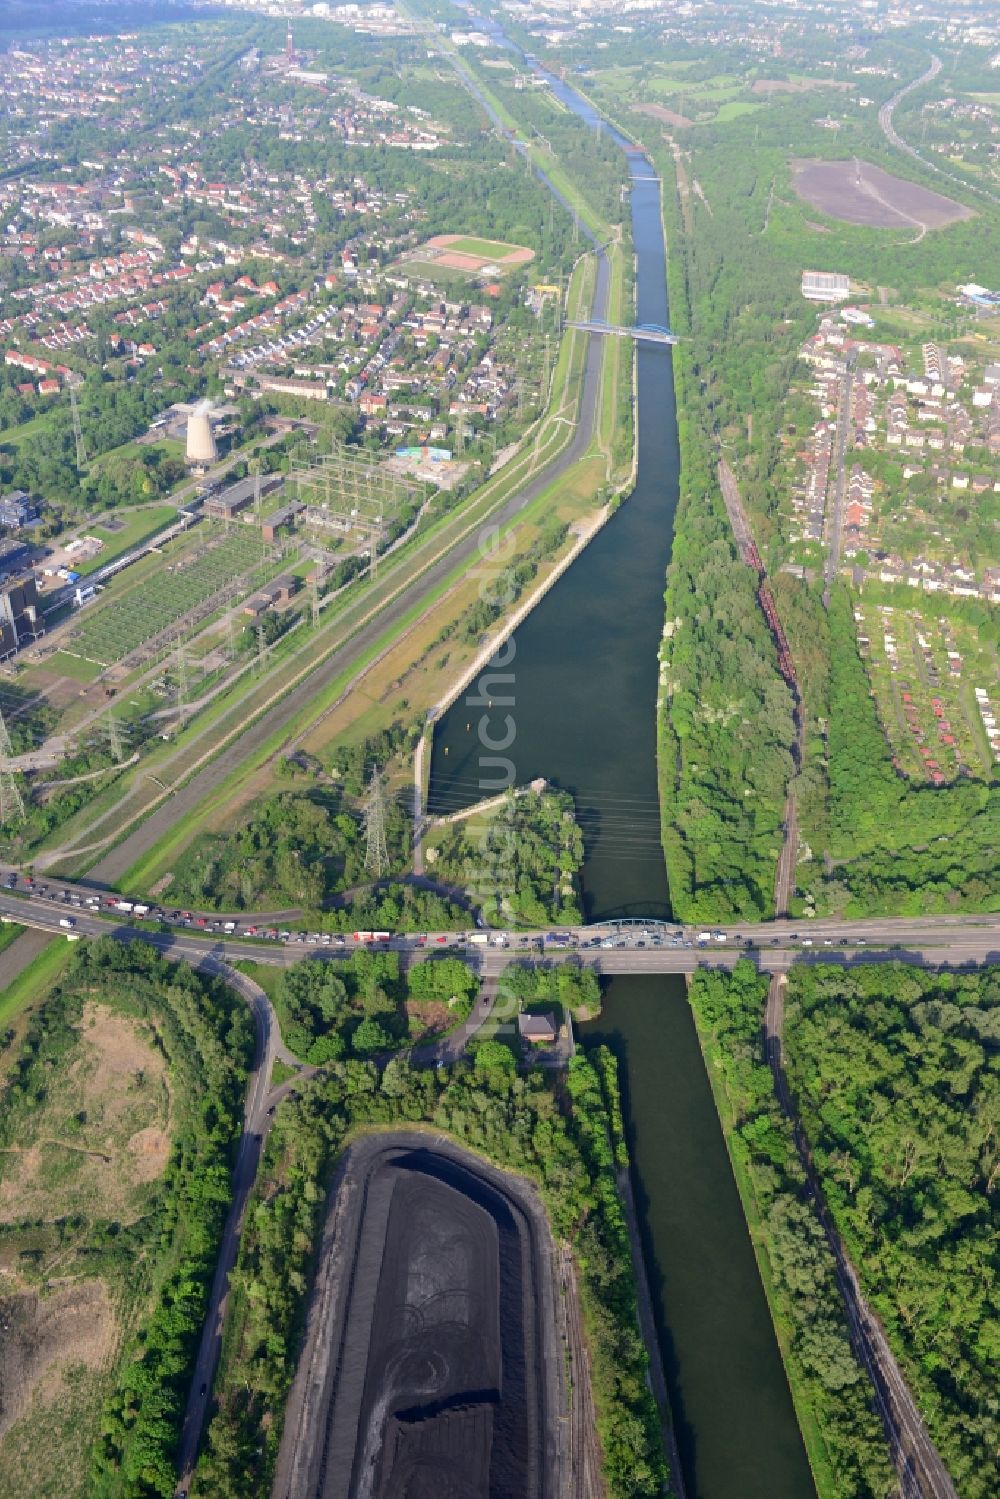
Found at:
[201, 448]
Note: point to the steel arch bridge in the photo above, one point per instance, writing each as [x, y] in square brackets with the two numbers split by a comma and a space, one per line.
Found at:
[653, 333]
[632, 923]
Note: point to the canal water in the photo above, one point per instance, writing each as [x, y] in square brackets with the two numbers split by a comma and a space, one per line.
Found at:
[583, 671]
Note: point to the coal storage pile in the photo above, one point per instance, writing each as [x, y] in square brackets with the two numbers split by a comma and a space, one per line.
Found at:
[439, 1364]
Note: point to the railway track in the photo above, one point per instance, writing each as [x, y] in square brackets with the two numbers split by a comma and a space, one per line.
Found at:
[921, 1473]
[583, 1466]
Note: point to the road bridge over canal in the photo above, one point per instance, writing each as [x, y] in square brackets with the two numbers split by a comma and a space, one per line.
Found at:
[650, 333]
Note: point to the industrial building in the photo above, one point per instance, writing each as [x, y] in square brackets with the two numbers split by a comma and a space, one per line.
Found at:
[17, 509]
[270, 527]
[825, 286]
[238, 496]
[20, 621]
[278, 592]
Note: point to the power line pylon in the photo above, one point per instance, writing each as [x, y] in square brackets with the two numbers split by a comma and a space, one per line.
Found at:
[115, 737]
[376, 852]
[261, 648]
[182, 678]
[11, 800]
[314, 592]
[81, 451]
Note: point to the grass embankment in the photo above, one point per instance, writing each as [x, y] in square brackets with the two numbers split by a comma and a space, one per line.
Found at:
[9, 933]
[33, 982]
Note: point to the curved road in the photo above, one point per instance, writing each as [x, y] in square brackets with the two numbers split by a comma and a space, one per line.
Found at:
[888, 108]
[891, 134]
[258, 1114]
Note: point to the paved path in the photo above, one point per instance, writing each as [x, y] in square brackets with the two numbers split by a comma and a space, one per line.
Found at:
[261, 1103]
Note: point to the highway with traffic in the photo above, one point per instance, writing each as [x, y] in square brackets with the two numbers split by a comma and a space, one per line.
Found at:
[73, 909]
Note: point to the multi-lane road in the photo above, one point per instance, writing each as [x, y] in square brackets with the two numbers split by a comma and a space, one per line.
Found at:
[609, 948]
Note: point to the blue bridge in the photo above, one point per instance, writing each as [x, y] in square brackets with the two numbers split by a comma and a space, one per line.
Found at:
[650, 333]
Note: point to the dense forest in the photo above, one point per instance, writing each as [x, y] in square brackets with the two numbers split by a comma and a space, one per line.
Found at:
[896, 1078]
[523, 868]
[832, 1393]
[167, 1256]
[358, 1007]
[561, 1134]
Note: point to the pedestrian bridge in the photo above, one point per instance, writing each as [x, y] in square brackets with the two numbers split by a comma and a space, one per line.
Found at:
[650, 333]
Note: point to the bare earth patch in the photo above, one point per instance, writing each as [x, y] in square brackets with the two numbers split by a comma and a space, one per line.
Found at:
[667, 116]
[428, 1017]
[151, 1151]
[46, 1335]
[858, 193]
[102, 1132]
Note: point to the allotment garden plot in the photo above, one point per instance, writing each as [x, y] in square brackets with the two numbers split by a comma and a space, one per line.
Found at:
[216, 572]
[936, 687]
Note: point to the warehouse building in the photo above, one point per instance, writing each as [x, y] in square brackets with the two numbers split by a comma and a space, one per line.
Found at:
[825, 286]
[238, 496]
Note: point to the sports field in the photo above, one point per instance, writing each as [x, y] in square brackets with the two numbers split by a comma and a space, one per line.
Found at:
[490, 249]
[464, 252]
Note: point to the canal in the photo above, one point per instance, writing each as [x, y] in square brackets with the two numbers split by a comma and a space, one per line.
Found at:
[584, 668]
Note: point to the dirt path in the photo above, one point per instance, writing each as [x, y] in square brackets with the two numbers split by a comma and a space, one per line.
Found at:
[871, 191]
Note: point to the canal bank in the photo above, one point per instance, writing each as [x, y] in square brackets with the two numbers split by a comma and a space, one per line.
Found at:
[579, 709]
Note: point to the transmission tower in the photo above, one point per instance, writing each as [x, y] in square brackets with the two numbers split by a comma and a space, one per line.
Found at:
[11, 800]
[231, 635]
[182, 678]
[376, 853]
[314, 591]
[261, 647]
[114, 729]
[81, 451]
